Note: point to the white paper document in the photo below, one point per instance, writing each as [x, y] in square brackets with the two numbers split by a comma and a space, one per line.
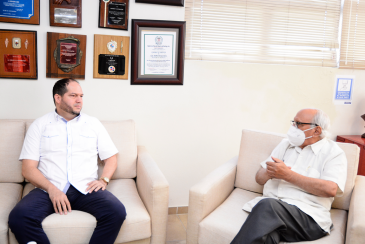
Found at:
[158, 50]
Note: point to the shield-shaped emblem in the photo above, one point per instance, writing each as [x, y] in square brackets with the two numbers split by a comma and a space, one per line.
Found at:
[112, 46]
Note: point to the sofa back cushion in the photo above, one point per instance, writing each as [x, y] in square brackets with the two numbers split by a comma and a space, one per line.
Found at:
[257, 146]
[352, 152]
[11, 142]
[123, 134]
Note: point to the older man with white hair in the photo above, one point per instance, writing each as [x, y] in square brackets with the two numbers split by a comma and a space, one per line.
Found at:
[301, 178]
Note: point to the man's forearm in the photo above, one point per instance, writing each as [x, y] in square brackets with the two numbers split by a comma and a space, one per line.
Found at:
[318, 187]
[34, 176]
[110, 166]
[262, 177]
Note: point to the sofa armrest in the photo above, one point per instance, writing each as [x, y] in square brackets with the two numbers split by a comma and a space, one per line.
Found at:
[208, 194]
[153, 189]
[355, 223]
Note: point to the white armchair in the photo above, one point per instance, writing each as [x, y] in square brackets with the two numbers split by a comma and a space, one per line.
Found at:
[215, 204]
[137, 182]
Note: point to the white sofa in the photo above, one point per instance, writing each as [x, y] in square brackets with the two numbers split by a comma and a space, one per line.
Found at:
[137, 182]
[215, 204]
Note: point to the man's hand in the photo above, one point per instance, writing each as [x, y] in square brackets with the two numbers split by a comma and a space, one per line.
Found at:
[96, 185]
[59, 200]
[278, 169]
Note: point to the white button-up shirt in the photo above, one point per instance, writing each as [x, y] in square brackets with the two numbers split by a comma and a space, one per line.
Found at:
[67, 151]
[322, 160]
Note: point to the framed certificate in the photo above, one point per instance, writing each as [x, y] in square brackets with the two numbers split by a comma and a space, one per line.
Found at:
[113, 14]
[66, 13]
[20, 11]
[18, 54]
[157, 52]
[66, 55]
[163, 2]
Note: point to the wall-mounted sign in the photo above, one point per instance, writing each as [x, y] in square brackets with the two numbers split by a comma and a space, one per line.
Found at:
[158, 49]
[19, 11]
[66, 55]
[113, 14]
[344, 90]
[18, 54]
[111, 57]
[65, 13]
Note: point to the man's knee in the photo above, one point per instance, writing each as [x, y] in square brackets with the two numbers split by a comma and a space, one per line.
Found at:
[120, 212]
[116, 212]
[266, 203]
[17, 218]
[273, 238]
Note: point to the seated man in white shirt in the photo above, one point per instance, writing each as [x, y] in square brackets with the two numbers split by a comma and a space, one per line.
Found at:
[301, 178]
[59, 157]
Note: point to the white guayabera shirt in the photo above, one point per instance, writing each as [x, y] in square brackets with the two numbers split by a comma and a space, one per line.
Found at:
[322, 160]
[68, 151]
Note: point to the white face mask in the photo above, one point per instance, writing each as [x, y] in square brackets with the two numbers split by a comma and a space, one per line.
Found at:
[296, 136]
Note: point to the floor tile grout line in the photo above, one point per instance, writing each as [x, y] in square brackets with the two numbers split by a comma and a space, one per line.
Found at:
[178, 224]
[181, 222]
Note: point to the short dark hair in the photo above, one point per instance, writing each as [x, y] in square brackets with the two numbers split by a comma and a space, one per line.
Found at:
[60, 87]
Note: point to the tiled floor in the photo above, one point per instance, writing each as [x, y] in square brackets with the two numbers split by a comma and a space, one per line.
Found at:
[176, 229]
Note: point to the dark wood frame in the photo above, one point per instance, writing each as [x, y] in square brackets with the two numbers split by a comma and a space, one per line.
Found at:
[101, 16]
[35, 58]
[52, 6]
[163, 2]
[35, 20]
[136, 24]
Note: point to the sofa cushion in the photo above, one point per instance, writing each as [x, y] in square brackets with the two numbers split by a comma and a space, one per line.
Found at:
[137, 225]
[255, 148]
[77, 226]
[11, 142]
[123, 134]
[10, 195]
[222, 225]
[352, 154]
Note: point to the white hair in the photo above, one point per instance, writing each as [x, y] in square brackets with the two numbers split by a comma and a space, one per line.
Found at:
[322, 120]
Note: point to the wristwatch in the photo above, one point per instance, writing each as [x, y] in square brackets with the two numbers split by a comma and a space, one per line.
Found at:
[105, 179]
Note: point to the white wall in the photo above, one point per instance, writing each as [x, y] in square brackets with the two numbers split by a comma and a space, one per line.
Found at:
[189, 129]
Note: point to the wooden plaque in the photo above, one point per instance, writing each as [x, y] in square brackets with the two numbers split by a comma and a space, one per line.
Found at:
[163, 2]
[18, 54]
[22, 12]
[65, 13]
[113, 14]
[74, 43]
[101, 47]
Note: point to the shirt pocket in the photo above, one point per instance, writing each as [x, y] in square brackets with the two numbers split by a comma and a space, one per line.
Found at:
[50, 142]
[313, 173]
[88, 140]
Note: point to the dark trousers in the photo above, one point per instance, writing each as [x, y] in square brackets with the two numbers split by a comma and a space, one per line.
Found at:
[272, 221]
[25, 220]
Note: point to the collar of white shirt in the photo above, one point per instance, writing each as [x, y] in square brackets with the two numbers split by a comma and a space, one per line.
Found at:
[316, 147]
[59, 117]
